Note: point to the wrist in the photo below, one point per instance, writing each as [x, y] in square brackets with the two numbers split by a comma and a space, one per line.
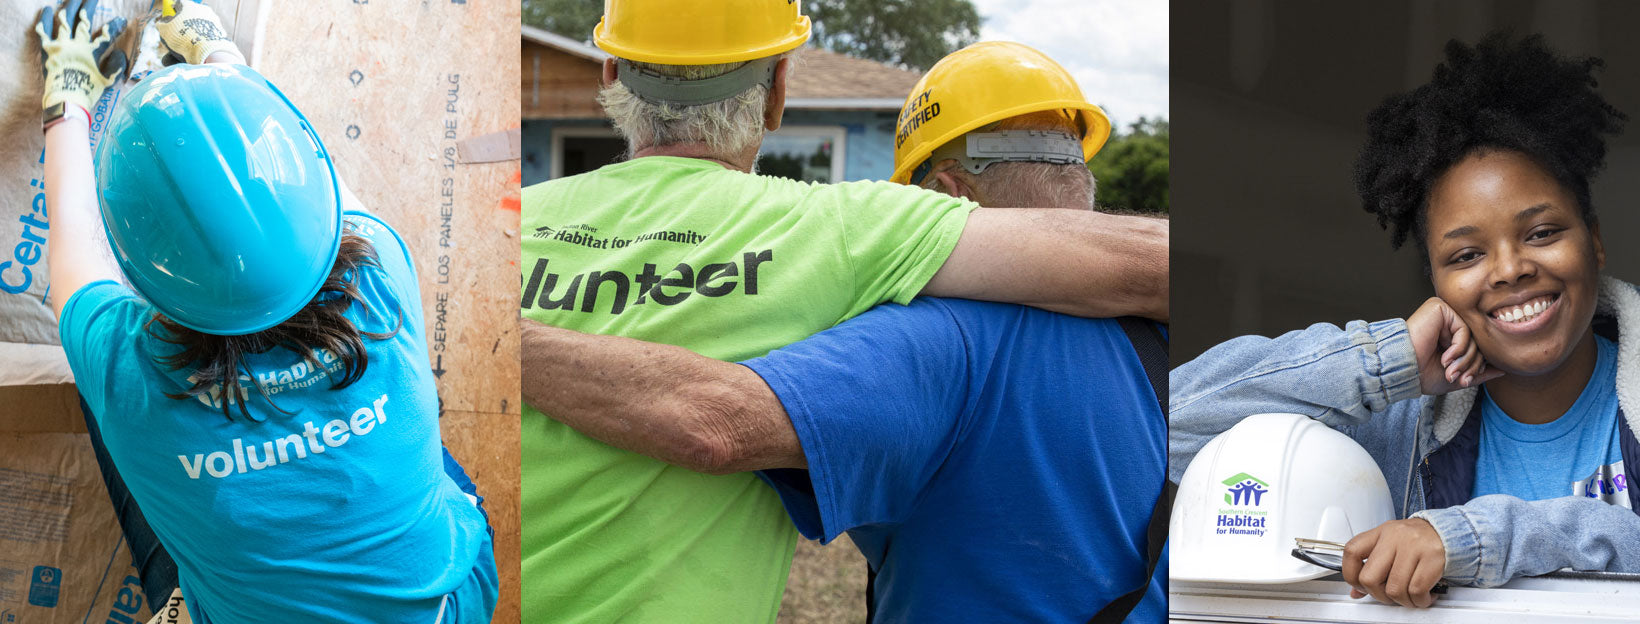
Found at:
[1394, 360]
[227, 55]
[72, 113]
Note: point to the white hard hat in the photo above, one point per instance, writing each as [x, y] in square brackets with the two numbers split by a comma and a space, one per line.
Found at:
[1270, 479]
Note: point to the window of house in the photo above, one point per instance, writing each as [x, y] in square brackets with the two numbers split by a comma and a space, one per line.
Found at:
[582, 149]
[807, 153]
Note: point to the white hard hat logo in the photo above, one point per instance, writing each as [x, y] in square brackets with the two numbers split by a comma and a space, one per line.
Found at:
[1245, 489]
[1253, 489]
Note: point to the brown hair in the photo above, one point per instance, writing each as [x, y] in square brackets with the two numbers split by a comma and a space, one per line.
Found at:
[218, 360]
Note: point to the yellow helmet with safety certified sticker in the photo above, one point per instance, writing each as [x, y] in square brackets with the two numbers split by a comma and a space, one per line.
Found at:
[983, 84]
[700, 32]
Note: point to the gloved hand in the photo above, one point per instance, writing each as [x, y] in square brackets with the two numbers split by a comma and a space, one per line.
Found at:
[69, 54]
[194, 33]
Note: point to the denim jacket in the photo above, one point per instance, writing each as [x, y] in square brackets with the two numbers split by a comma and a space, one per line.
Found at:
[1362, 380]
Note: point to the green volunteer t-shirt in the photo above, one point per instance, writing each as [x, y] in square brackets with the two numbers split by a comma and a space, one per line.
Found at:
[731, 265]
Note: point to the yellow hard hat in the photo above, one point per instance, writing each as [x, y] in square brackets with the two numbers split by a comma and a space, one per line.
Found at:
[985, 83]
[700, 32]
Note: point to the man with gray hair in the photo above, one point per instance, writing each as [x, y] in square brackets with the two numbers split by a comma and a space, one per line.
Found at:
[673, 112]
[955, 441]
[1011, 129]
[680, 244]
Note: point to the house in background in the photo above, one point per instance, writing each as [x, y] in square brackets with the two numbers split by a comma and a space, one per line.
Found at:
[839, 122]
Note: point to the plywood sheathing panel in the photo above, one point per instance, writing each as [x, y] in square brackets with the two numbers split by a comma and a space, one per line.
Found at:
[392, 87]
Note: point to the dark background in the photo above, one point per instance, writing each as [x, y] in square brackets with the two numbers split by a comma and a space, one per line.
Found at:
[1270, 100]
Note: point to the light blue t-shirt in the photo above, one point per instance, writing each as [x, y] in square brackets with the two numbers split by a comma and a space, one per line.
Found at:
[1574, 455]
[337, 511]
[994, 463]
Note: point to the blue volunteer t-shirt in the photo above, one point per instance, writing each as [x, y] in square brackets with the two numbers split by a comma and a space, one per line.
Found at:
[994, 463]
[338, 510]
[1574, 455]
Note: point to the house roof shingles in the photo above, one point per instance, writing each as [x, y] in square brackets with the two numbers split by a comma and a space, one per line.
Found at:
[823, 74]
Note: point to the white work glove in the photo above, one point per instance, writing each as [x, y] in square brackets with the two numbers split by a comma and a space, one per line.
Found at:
[194, 33]
[73, 57]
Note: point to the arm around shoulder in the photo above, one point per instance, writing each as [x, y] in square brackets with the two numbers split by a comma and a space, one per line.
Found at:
[1076, 262]
[658, 400]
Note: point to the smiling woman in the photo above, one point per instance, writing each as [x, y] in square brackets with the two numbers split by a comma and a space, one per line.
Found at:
[1515, 259]
[1494, 407]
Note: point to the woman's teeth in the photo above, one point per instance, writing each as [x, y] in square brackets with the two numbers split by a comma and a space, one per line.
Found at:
[1524, 312]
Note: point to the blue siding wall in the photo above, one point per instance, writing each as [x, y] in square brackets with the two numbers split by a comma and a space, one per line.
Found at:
[870, 144]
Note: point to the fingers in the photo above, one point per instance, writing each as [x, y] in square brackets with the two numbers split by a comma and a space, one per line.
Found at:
[64, 23]
[73, 17]
[87, 12]
[106, 35]
[1465, 367]
[1424, 578]
[1375, 574]
[1356, 551]
[1468, 362]
[1398, 562]
[1459, 344]
[46, 26]
[1398, 579]
[113, 66]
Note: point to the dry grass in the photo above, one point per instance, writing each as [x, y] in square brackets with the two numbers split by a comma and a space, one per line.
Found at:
[827, 584]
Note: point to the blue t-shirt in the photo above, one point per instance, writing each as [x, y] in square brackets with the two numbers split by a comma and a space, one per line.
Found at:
[337, 511]
[994, 463]
[1574, 455]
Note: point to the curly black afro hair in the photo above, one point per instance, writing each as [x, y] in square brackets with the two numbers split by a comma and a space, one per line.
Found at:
[1504, 93]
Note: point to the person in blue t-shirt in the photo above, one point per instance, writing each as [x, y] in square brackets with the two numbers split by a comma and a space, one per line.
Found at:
[993, 462]
[262, 385]
[1494, 409]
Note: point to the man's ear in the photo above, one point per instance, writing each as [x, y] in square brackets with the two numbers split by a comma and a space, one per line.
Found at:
[609, 71]
[775, 106]
[948, 182]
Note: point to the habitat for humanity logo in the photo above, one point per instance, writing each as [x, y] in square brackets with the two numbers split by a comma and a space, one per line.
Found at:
[1245, 489]
[1242, 491]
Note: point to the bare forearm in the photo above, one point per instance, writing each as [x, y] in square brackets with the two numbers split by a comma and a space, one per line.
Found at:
[1071, 261]
[78, 251]
[657, 400]
[227, 56]
[1124, 270]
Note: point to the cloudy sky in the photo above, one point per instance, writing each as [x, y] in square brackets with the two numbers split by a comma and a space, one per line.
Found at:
[1116, 49]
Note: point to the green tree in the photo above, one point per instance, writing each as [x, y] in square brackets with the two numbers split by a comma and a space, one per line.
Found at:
[912, 32]
[1132, 169]
[570, 18]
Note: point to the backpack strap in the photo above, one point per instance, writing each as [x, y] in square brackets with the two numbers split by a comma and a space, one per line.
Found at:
[1152, 349]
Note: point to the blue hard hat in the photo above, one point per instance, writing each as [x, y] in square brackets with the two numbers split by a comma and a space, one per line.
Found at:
[219, 200]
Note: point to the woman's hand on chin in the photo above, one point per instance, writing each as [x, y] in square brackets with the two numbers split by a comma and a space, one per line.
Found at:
[1447, 357]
